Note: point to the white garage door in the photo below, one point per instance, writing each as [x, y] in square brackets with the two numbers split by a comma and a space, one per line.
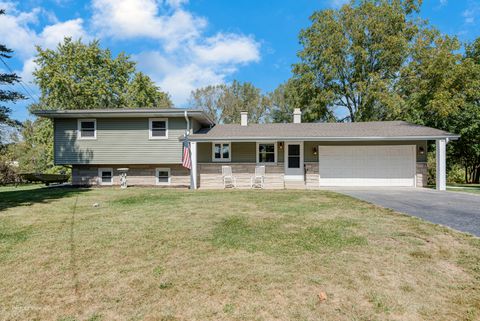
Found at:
[392, 165]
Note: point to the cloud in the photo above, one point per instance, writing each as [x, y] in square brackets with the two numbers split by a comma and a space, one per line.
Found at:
[184, 58]
[228, 48]
[22, 36]
[125, 19]
[471, 13]
[443, 2]
[177, 52]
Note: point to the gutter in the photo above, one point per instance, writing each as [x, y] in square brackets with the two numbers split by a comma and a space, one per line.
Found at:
[321, 139]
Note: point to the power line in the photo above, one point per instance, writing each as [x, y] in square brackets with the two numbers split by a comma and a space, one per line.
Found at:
[24, 86]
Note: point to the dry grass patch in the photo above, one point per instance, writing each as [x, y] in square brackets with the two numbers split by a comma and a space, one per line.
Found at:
[157, 254]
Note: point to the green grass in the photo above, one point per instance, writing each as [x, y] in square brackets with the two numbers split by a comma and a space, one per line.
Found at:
[160, 254]
[466, 188]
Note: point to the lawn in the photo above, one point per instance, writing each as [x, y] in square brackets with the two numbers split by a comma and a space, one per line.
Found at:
[166, 254]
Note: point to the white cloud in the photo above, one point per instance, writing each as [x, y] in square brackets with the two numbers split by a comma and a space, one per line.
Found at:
[443, 2]
[179, 56]
[144, 18]
[228, 48]
[184, 58]
[53, 34]
[472, 12]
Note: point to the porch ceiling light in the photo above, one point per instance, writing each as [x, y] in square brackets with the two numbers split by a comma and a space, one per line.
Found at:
[315, 151]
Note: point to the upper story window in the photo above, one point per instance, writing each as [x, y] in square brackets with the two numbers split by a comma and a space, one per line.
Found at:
[221, 152]
[266, 153]
[87, 129]
[158, 128]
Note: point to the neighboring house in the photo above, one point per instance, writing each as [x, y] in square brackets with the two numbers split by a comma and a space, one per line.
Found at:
[96, 143]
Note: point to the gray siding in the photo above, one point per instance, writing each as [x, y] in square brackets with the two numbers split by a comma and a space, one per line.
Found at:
[119, 141]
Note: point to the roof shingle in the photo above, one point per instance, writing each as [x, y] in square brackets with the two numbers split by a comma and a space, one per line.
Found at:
[321, 131]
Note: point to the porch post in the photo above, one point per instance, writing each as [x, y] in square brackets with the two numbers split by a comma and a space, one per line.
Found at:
[441, 164]
[193, 171]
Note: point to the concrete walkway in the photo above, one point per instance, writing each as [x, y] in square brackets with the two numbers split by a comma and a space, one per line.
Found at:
[460, 211]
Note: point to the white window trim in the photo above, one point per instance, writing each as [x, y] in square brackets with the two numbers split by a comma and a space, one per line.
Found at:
[257, 153]
[162, 169]
[100, 175]
[150, 120]
[222, 160]
[79, 129]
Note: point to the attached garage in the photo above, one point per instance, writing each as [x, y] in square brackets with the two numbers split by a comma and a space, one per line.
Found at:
[385, 165]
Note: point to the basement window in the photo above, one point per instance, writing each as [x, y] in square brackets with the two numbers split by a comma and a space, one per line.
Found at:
[162, 176]
[105, 176]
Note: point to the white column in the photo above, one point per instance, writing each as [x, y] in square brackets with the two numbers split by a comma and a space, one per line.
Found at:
[193, 171]
[441, 164]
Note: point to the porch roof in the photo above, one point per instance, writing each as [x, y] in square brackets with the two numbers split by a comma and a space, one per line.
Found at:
[361, 131]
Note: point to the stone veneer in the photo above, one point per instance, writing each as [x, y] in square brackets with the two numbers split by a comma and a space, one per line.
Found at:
[210, 175]
[140, 175]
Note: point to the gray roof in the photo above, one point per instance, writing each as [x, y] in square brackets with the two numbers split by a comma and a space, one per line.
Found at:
[125, 112]
[383, 130]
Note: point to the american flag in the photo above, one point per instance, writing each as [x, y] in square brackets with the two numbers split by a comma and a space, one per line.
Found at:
[186, 160]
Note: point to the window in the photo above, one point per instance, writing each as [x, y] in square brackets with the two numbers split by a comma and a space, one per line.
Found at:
[87, 129]
[158, 128]
[221, 152]
[266, 153]
[105, 176]
[162, 176]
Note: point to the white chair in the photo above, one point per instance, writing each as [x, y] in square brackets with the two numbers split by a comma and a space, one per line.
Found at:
[259, 179]
[228, 179]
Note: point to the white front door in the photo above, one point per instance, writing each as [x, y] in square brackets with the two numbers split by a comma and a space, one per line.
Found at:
[294, 161]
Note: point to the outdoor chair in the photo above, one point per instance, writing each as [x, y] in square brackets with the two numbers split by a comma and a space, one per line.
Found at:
[228, 179]
[258, 180]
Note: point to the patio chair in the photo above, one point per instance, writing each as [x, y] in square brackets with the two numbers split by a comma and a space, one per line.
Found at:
[258, 180]
[228, 179]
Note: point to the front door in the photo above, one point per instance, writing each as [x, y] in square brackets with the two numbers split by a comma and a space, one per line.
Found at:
[294, 160]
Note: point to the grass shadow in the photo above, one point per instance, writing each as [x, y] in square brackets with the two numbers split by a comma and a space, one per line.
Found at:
[25, 197]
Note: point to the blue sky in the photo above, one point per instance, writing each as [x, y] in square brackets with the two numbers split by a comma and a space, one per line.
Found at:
[183, 45]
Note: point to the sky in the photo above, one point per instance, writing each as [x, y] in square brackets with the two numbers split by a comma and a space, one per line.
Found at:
[182, 44]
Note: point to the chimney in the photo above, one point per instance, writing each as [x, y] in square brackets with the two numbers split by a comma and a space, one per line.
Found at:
[244, 118]
[297, 116]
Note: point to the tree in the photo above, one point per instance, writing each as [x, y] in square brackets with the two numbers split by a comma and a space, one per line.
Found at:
[352, 57]
[225, 102]
[7, 95]
[142, 92]
[85, 76]
[208, 100]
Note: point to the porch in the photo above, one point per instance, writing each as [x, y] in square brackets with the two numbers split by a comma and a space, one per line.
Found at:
[308, 164]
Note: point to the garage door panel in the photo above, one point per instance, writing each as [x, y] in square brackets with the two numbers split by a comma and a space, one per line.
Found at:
[367, 165]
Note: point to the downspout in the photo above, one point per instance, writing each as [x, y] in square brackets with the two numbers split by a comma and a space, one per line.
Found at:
[187, 131]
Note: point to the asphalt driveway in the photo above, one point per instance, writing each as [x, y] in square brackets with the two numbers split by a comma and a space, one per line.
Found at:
[460, 211]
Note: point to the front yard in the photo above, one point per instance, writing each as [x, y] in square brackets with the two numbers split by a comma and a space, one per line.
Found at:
[159, 254]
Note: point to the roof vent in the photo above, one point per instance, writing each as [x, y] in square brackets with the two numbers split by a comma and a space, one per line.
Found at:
[297, 116]
[244, 118]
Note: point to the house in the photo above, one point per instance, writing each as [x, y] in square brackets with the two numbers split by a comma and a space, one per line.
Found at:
[97, 143]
